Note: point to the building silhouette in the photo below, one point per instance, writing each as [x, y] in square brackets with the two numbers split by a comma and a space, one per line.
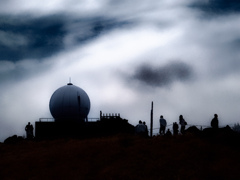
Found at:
[69, 106]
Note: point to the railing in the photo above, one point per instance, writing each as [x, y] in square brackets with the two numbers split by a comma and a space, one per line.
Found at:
[46, 119]
[109, 115]
[52, 119]
[156, 130]
[200, 127]
[93, 119]
[102, 115]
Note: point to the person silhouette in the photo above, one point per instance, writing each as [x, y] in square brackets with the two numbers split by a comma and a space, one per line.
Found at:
[163, 124]
[168, 133]
[146, 128]
[183, 123]
[175, 128]
[29, 130]
[214, 122]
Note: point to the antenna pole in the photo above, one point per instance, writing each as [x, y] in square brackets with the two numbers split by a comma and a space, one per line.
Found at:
[151, 121]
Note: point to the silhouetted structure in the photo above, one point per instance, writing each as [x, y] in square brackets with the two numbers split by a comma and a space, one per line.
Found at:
[29, 130]
[163, 124]
[214, 122]
[109, 115]
[70, 103]
[110, 125]
[183, 124]
[175, 128]
[151, 120]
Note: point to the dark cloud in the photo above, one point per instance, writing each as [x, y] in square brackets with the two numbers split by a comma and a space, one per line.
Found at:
[26, 38]
[41, 37]
[86, 29]
[218, 6]
[164, 75]
[236, 43]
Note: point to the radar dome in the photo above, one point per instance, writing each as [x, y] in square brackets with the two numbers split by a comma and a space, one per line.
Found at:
[69, 103]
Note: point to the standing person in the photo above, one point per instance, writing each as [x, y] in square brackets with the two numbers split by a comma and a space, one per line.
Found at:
[183, 123]
[163, 124]
[175, 128]
[146, 129]
[214, 122]
[29, 130]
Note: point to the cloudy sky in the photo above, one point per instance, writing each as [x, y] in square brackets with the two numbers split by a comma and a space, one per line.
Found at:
[182, 55]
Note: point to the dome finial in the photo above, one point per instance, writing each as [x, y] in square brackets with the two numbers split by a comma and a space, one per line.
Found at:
[69, 81]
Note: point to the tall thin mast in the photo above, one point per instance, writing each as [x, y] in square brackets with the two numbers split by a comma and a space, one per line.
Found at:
[151, 121]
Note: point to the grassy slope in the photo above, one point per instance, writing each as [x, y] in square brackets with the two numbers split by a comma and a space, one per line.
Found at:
[121, 157]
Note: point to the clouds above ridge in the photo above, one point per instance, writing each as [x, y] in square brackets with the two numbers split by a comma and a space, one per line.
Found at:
[44, 36]
[30, 38]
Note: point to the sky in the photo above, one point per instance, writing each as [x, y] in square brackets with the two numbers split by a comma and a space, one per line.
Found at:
[182, 55]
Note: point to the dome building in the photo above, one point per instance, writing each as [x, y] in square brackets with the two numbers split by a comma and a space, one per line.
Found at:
[69, 103]
[69, 106]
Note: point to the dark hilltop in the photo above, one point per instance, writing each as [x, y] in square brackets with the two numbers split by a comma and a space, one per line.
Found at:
[196, 154]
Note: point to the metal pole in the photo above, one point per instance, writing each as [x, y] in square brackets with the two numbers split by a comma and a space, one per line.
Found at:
[151, 121]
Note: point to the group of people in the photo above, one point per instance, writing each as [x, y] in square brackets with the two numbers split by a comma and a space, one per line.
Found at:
[163, 125]
[142, 129]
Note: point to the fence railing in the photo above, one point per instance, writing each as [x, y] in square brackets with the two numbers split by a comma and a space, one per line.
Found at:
[52, 119]
[200, 127]
[109, 115]
[93, 119]
[46, 119]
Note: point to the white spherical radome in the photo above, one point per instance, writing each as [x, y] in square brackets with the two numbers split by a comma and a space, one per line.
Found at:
[69, 102]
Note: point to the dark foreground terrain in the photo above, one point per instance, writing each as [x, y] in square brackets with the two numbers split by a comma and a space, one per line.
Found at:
[122, 157]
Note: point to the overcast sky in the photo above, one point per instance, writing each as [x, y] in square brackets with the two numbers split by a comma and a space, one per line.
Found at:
[182, 55]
